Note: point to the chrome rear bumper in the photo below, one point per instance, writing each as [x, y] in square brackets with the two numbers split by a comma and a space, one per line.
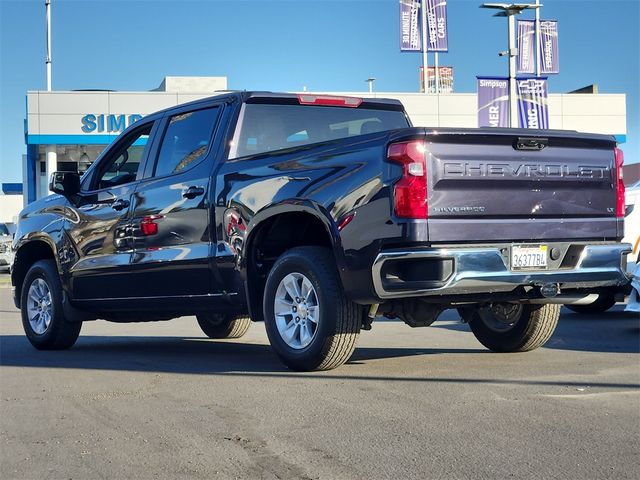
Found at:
[486, 270]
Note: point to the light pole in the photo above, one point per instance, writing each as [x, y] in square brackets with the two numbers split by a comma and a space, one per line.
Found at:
[47, 6]
[370, 81]
[538, 38]
[425, 58]
[51, 152]
[510, 10]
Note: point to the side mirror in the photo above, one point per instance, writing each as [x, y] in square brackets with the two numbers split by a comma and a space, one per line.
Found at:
[628, 209]
[65, 183]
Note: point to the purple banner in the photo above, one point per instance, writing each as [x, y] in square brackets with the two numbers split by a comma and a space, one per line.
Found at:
[548, 51]
[532, 103]
[437, 31]
[410, 26]
[493, 102]
[526, 43]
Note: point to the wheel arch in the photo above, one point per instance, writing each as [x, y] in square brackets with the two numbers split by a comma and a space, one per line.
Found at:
[277, 229]
[27, 253]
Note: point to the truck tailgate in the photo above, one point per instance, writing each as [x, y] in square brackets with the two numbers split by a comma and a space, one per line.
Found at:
[488, 185]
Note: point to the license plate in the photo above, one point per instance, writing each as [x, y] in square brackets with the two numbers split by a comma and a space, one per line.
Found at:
[528, 257]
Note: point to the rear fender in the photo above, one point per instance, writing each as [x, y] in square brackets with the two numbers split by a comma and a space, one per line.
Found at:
[295, 206]
[254, 281]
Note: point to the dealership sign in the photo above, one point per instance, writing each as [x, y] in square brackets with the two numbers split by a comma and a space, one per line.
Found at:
[493, 102]
[112, 123]
[532, 103]
[437, 26]
[548, 47]
[410, 26]
[445, 79]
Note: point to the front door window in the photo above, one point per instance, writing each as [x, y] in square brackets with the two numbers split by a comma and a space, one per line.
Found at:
[123, 166]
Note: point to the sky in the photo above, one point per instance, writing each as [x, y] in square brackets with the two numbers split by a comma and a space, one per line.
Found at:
[325, 45]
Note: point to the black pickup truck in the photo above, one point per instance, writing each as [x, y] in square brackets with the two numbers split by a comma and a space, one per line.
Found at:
[315, 214]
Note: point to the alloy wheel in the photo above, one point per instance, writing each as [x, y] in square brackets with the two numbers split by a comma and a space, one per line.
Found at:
[39, 306]
[297, 310]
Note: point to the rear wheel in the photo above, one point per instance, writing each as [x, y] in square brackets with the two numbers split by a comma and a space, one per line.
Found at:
[41, 307]
[514, 327]
[218, 325]
[603, 303]
[310, 323]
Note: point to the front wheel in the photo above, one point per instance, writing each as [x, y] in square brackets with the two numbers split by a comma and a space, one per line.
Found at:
[514, 327]
[219, 325]
[310, 323]
[41, 307]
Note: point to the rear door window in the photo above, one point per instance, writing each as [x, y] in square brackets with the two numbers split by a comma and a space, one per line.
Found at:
[268, 127]
[186, 141]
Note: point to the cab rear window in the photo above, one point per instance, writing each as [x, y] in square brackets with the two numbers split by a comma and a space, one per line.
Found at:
[268, 127]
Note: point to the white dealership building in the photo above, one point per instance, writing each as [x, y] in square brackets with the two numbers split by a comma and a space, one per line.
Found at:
[66, 130]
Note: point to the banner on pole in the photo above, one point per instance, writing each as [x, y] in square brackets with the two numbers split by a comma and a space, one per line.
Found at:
[437, 31]
[493, 102]
[526, 43]
[533, 111]
[410, 26]
[445, 77]
[548, 47]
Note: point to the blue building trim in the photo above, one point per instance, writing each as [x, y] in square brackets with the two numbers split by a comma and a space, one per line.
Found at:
[70, 139]
[11, 188]
[77, 140]
[32, 165]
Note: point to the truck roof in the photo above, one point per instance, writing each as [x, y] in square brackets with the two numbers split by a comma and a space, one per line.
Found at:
[285, 98]
[279, 97]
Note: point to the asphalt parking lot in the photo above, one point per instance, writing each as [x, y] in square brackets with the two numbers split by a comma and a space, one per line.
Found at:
[159, 400]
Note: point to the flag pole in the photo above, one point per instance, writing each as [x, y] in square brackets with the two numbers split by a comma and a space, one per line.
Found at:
[425, 59]
[537, 38]
[513, 96]
[437, 73]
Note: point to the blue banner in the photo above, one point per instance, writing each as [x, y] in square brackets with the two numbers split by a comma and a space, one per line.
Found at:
[526, 43]
[533, 111]
[437, 31]
[493, 102]
[548, 51]
[410, 26]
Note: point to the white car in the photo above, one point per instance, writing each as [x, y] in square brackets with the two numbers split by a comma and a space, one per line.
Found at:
[6, 254]
[631, 235]
[632, 224]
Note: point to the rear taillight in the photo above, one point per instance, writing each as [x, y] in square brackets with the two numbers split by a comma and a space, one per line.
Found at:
[410, 193]
[619, 160]
[329, 100]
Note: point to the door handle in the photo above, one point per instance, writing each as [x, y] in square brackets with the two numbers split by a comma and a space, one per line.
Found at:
[192, 192]
[120, 204]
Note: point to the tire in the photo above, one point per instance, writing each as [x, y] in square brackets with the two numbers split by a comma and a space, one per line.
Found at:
[525, 327]
[218, 325]
[57, 333]
[331, 321]
[603, 303]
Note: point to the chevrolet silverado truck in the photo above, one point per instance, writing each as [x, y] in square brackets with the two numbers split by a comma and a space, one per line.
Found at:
[316, 214]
